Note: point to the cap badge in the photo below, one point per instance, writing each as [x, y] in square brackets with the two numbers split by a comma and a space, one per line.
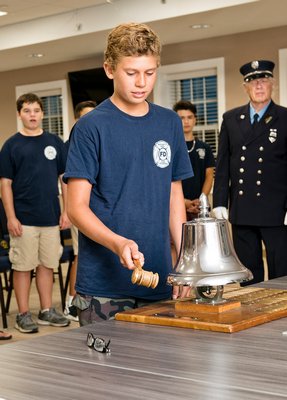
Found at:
[255, 64]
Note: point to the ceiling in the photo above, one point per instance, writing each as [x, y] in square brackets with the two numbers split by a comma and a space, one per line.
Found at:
[64, 30]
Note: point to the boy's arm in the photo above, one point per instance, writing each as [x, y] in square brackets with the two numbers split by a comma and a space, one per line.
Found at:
[206, 188]
[79, 212]
[13, 224]
[176, 219]
[193, 205]
[177, 213]
[64, 219]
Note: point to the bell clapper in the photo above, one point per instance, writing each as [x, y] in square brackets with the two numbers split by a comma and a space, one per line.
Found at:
[205, 294]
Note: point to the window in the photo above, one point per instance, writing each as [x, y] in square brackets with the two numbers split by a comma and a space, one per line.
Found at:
[53, 119]
[55, 102]
[202, 83]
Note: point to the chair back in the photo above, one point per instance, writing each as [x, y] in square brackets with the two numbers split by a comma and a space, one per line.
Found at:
[4, 234]
[5, 266]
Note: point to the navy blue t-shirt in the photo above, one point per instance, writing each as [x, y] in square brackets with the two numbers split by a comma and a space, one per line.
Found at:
[130, 162]
[201, 158]
[34, 164]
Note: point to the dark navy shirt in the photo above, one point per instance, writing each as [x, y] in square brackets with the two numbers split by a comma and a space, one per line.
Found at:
[130, 163]
[34, 164]
[201, 158]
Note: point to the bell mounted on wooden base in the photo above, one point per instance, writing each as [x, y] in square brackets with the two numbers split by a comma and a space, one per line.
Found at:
[207, 259]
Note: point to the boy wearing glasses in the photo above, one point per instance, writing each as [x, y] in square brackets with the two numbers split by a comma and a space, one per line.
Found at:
[251, 174]
[125, 165]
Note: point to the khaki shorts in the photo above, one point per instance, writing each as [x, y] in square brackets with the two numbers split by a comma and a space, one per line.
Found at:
[75, 239]
[36, 246]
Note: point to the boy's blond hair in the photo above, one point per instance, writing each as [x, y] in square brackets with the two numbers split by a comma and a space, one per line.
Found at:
[131, 39]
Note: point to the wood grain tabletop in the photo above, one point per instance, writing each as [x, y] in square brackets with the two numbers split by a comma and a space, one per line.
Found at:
[149, 362]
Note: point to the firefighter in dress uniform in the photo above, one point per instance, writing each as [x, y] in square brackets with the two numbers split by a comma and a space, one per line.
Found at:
[251, 174]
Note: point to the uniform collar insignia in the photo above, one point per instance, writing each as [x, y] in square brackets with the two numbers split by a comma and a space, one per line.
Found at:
[268, 119]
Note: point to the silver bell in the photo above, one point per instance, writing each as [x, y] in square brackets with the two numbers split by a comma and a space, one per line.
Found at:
[207, 257]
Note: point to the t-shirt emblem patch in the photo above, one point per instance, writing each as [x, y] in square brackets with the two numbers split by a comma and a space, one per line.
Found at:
[201, 153]
[50, 152]
[161, 154]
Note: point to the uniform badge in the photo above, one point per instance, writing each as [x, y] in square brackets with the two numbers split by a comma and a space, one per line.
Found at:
[201, 153]
[242, 116]
[255, 64]
[268, 119]
[272, 135]
[50, 152]
[161, 154]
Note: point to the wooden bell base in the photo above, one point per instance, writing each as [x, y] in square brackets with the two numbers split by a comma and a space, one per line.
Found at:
[248, 307]
[192, 306]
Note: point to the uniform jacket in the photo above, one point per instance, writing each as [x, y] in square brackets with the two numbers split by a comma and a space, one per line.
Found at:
[251, 168]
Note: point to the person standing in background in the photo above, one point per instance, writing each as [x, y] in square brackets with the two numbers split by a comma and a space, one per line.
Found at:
[201, 158]
[70, 311]
[83, 108]
[251, 174]
[31, 163]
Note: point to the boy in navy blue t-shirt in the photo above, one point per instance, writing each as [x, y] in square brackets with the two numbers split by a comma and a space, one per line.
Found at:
[31, 163]
[124, 170]
[201, 158]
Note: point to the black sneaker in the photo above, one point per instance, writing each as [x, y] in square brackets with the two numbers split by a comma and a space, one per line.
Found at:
[25, 323]
[71, 313]
[53, 318]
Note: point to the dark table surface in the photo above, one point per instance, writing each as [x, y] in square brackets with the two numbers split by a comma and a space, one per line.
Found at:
[150, 362]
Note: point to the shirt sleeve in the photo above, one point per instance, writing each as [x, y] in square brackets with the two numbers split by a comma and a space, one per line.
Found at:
[209, 159]
[82, 160]
[6, 163]
[182, 168]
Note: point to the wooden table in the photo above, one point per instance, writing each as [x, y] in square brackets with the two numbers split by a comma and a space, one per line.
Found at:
[149, 362]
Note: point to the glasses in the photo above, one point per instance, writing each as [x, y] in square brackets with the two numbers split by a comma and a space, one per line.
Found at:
[98, 343]
[259, 81]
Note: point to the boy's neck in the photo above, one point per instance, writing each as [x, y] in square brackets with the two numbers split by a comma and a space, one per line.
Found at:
[135, 110]
[189, 136]
[31, 132]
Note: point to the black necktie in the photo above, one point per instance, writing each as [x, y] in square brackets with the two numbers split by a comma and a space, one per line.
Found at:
[255, 119]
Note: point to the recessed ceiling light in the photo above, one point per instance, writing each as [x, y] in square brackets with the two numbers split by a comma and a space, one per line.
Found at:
[200, 26]
[3, 10]
[35, 55]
